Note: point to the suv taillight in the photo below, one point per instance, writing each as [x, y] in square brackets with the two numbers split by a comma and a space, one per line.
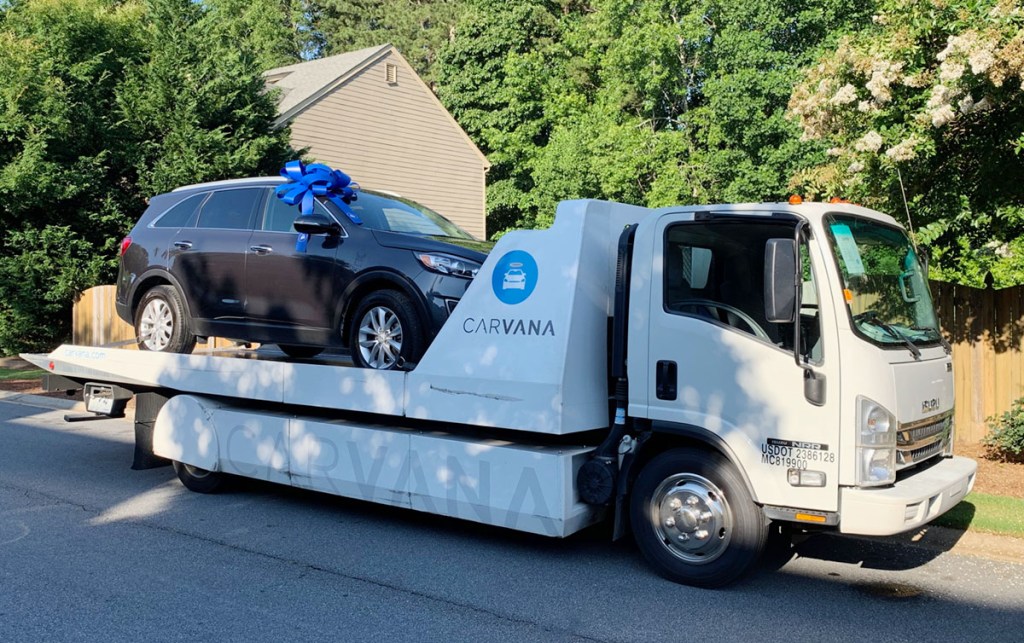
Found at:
[127, 241]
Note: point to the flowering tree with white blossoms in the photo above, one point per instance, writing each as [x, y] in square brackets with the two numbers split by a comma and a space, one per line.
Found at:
[926, 102]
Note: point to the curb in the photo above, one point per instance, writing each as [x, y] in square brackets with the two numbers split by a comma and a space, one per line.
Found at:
[965, 543]
[42, 401]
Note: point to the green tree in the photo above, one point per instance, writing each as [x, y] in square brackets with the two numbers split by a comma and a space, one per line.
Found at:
[652, 101]
[197, 105]
[417, 28]
[102, 104]
[63, 195]
[274, 30]
[925, 100]
[493, 77]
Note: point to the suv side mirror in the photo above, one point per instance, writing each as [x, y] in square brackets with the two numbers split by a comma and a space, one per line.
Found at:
[316, 224]
[780, 281]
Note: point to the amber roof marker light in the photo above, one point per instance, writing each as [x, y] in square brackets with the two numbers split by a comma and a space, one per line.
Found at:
[796, 199]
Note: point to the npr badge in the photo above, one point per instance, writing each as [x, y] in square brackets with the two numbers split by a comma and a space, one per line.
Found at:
[514, 277]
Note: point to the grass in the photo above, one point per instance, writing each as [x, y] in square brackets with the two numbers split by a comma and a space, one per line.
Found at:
[20, 374]
[983, 512]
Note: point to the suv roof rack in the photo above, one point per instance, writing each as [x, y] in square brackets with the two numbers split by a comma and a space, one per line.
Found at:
[245, 181]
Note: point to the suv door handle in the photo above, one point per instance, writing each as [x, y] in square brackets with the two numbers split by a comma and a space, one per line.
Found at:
[183, 245]
[261, 249]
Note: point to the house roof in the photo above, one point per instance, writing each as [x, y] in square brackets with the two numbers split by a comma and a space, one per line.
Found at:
[305, 82]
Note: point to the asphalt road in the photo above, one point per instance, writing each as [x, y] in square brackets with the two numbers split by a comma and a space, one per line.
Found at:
[91, 550]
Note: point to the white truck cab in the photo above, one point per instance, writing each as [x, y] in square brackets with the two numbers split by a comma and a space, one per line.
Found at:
[697, 372]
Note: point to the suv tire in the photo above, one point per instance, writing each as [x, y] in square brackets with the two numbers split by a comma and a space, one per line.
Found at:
[161, 323]
[300, 352]
[385, 331]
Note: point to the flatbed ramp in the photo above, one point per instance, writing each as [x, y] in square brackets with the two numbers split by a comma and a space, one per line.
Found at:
[322, 385]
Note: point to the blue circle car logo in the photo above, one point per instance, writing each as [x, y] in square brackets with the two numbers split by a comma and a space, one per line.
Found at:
[514, 277]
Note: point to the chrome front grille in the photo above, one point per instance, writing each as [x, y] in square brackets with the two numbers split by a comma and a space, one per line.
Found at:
[919, 455]
[918, 441]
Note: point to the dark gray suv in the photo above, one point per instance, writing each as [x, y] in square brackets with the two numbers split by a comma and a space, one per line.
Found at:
[230, 259]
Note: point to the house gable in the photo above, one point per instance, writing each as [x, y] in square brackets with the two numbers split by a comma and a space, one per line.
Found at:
[382, 125]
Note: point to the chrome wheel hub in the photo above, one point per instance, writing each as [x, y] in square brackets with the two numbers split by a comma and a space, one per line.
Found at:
[156, 325]
[380, 338]
[691, 517]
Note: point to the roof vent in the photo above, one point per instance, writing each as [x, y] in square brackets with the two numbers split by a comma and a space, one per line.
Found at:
[391, 73]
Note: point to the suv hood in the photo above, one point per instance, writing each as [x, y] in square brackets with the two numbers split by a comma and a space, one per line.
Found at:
[466, 248]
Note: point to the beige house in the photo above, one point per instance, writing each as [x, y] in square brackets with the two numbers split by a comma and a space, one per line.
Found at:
[368, 114]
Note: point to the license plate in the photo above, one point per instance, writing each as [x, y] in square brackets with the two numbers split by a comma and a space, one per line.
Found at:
[100, 401]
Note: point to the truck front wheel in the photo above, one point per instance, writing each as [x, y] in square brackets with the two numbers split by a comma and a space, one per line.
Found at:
[694, 520]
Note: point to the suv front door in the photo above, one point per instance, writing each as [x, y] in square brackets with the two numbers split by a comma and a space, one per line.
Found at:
[288, 286]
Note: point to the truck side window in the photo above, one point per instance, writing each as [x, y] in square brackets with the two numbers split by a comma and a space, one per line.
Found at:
[714, 270]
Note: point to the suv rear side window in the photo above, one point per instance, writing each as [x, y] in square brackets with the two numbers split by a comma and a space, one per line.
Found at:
[182, 214]
[230, 209]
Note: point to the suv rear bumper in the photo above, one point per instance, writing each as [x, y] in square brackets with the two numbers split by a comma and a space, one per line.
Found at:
[910, 503]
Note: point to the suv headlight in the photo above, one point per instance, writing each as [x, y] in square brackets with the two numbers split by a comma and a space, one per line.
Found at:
[448, 265]
[876, 444]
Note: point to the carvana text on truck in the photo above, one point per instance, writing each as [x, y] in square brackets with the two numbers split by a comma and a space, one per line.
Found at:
[695, 374]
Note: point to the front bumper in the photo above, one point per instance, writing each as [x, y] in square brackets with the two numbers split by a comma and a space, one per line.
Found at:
[911, 502]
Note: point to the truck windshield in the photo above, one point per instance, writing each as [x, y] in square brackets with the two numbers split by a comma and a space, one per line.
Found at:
[884, 282]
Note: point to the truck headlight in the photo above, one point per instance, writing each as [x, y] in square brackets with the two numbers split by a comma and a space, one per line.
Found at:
[876, 444]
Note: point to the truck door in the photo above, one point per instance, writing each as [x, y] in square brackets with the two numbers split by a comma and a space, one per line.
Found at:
[717, 366]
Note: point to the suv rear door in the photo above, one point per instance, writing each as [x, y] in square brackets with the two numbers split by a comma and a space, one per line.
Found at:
[208, 260]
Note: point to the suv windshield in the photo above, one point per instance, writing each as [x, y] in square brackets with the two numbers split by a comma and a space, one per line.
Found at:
[884, 282]
[395, 214]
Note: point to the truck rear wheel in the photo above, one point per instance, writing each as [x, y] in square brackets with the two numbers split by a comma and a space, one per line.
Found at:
[694, 520]
[198, 480]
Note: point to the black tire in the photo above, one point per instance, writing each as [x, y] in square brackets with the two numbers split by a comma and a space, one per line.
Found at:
[198, 480]
[694, 520]
[300, 352]
[161, 324]
[385, 331]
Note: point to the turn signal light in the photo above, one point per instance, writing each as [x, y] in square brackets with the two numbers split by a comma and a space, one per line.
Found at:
[127, 241]
[810, 518]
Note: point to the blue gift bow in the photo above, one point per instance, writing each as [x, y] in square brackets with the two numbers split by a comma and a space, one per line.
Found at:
[313, 180]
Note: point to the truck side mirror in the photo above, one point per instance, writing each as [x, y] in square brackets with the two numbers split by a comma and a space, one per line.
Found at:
[316, 224]
[780, 281]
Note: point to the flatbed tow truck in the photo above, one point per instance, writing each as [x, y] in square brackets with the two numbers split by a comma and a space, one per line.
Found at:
[697, 374]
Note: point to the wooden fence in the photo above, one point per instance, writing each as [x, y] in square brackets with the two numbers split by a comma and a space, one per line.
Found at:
[94, 322]
[985, 328]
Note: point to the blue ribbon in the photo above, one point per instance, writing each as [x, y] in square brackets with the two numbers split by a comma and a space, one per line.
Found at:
[313, 180]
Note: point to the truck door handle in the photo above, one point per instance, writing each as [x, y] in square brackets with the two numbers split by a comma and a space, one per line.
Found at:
[261, 249]
[183, 245]
[665, 383]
